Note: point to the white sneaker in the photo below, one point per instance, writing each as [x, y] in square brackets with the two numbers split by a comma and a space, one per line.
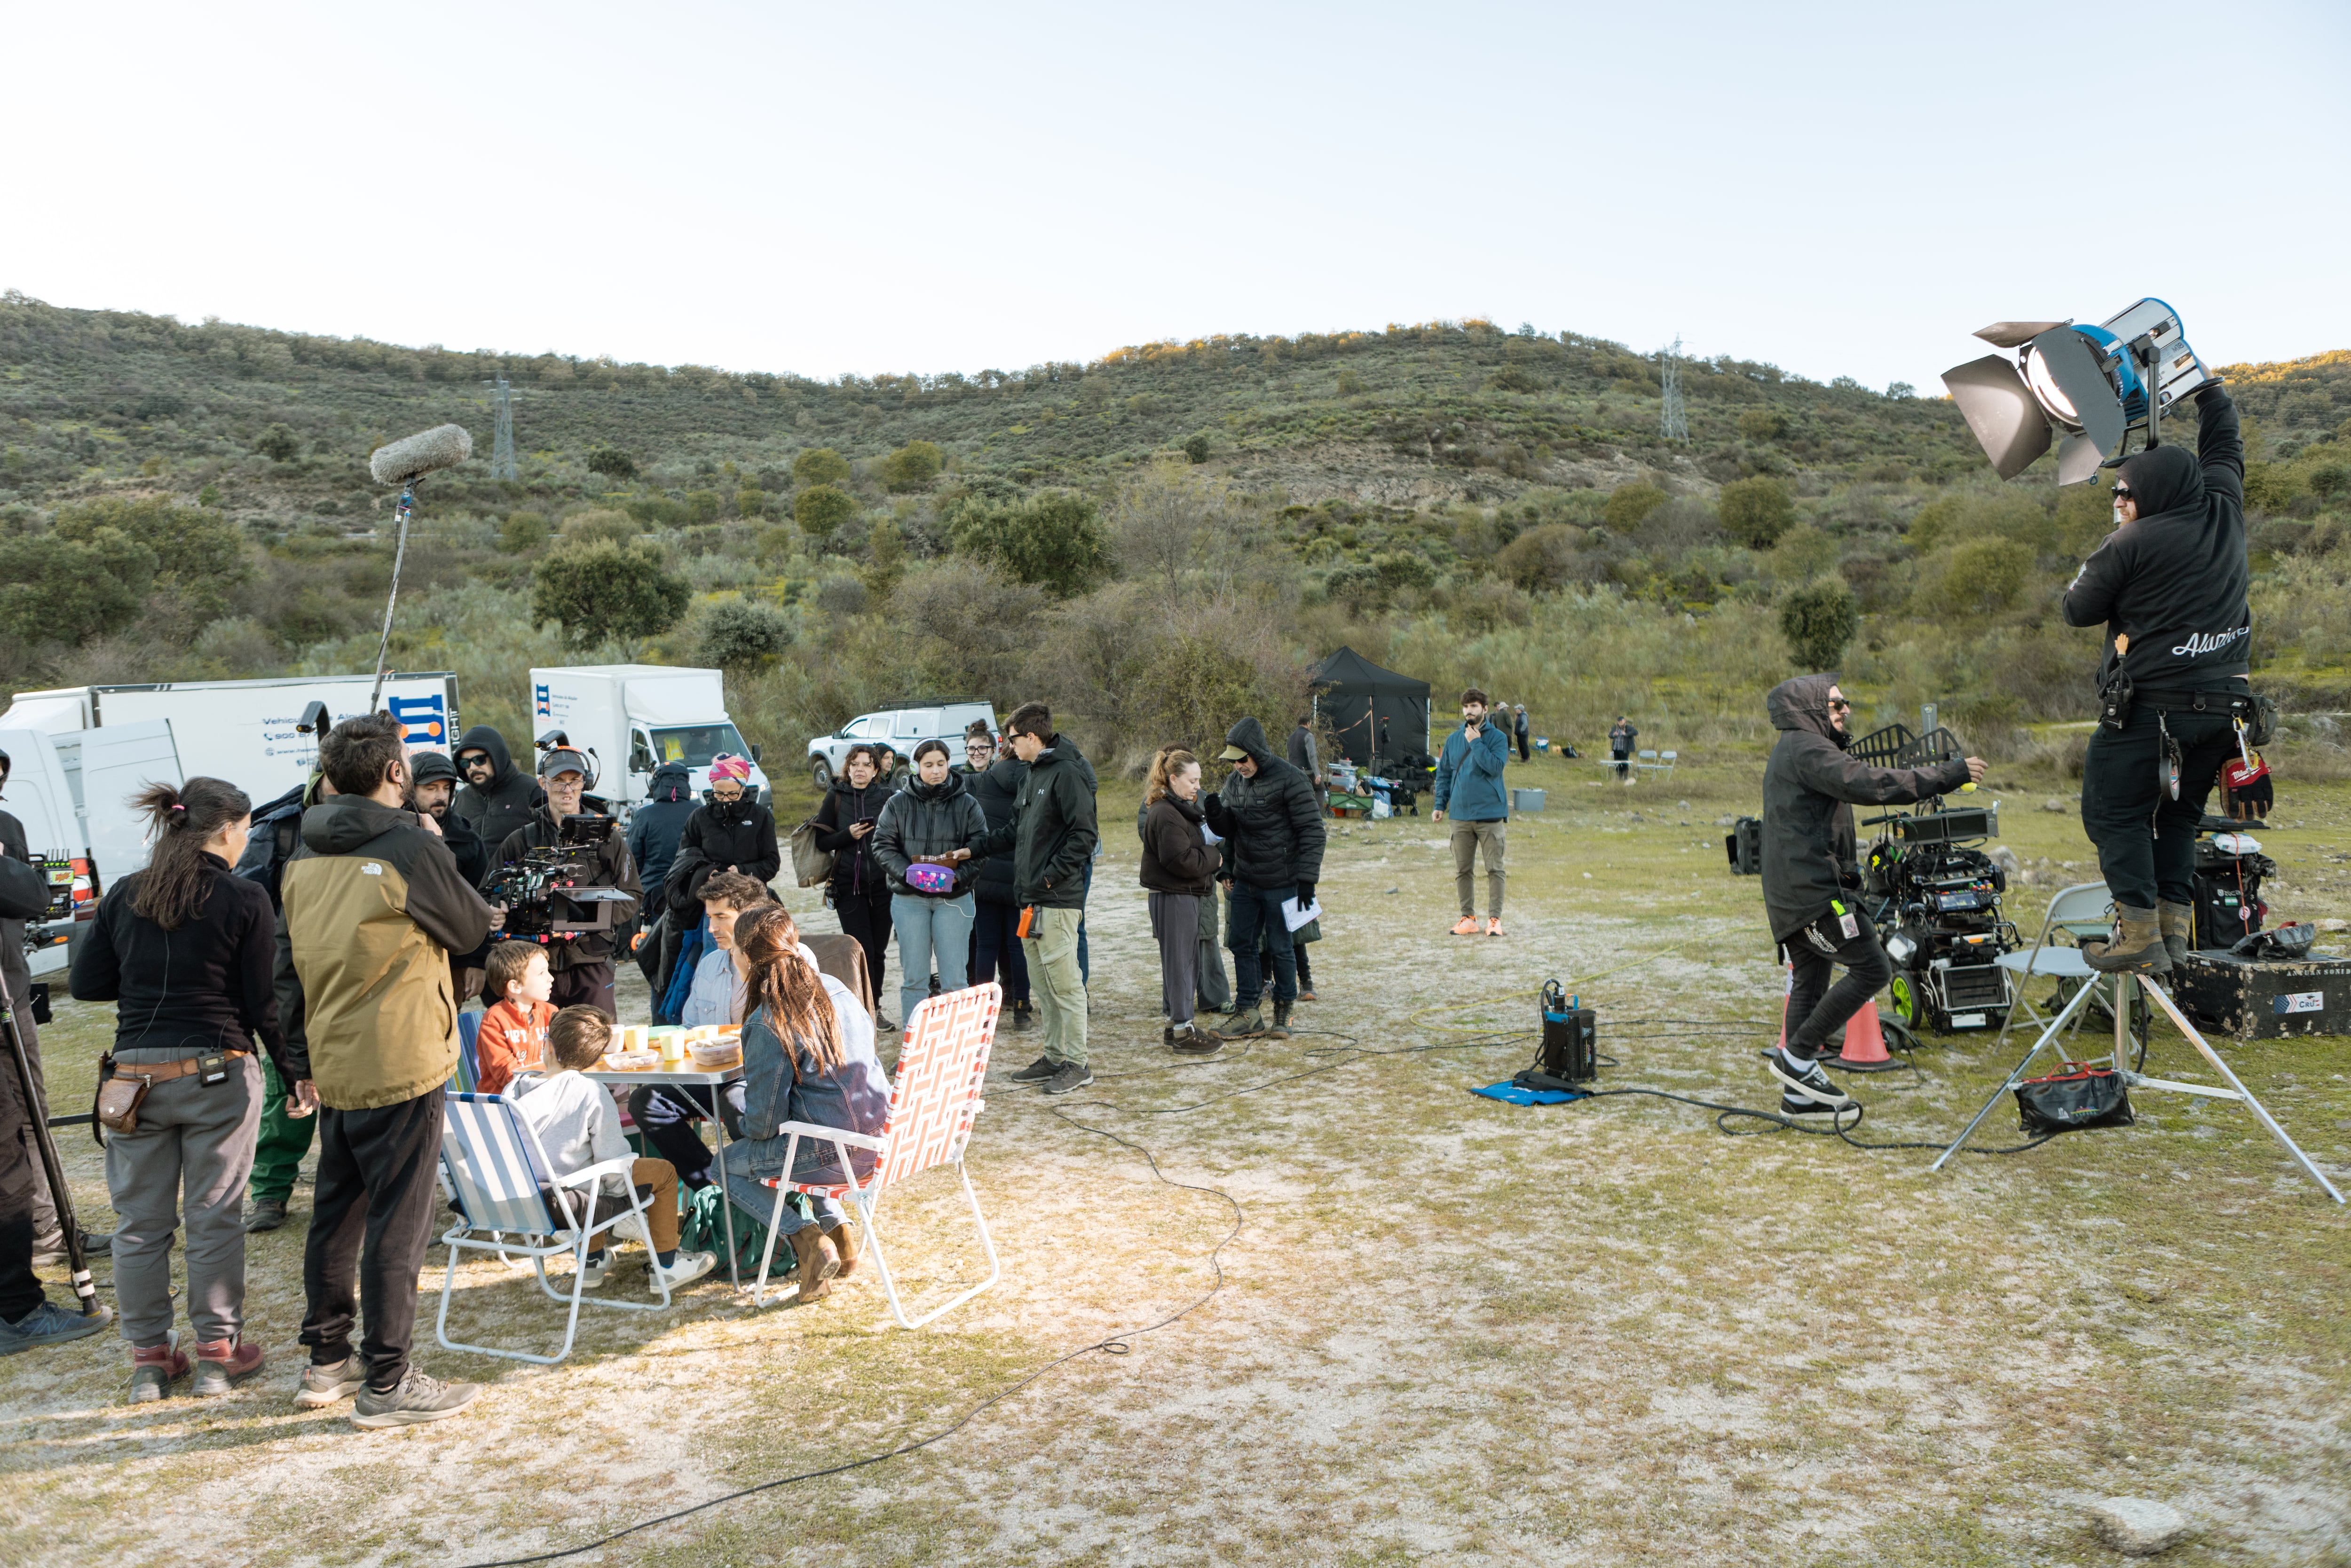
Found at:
[689, 1267]
[633, 1225]
[595, 1271]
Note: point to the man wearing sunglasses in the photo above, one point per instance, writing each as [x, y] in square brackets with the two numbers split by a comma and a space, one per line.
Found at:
[2169, 584]
[1810, 788]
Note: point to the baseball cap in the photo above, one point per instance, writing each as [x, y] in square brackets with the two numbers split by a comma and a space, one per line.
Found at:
[1232, 754]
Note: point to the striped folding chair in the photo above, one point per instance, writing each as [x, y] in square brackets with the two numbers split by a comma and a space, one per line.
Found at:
[496, 1171]
[468, 1070]
[941, 1066]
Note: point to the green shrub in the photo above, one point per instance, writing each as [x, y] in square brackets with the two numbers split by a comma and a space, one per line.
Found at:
[1630, 505]
[58, 590]
[1818, 621]
[601, 526]
[1985, 575]
[702, 506]
[1054, 538]
[1756, 511]
[1541, 559]
[912, 467]
[522, 532]
[612, 461]
[739, 634]
[1197, 448]
[1400, 570]
[1762, 423]
[751, 501]
[822, 466]
[600, 590]
[278, 443]
[657, 511]
[821, 509]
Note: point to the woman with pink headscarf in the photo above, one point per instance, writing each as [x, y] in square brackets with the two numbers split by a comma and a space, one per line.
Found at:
[732, 832]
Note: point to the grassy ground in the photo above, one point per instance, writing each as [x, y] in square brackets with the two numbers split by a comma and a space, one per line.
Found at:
[1447, 1330]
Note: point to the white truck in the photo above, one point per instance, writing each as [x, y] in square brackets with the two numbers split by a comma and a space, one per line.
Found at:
[900, 727]
[246, 731]
[631, 719]
[67, 789]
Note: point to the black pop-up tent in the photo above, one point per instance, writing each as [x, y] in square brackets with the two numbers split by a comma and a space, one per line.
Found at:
[1356, 694]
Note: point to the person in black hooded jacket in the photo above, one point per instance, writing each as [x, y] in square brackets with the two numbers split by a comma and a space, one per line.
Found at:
[497, 799]
[2170, 585]
[656, 827]
[1271, 822]
[732, 831]
[860, 888]
[1809, 788]
[996, 914]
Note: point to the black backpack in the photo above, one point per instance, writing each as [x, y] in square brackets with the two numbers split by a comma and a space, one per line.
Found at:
[277, 829]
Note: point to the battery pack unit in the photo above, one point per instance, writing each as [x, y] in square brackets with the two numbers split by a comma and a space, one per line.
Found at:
[1571, 1036]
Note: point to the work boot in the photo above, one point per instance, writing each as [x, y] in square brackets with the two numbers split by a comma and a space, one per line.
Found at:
[820, 1261]
[1280, 1030]
[1243, 1025]
[2175, 921]
[154, 1369]
[267, 1214]
[843, 1238]
[1167, 1035]
[1193, 1041]
[222, 1363]
[1024, 1015]
[2136, 947]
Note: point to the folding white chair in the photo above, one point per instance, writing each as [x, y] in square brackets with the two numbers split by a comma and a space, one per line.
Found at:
[496, 1170]
[941, 1067]
[2076, 911]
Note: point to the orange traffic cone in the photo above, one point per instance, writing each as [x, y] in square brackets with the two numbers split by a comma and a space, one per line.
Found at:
[1865, 1040]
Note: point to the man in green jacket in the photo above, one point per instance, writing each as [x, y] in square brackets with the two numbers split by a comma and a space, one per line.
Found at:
[1052, 837]
[373, 905]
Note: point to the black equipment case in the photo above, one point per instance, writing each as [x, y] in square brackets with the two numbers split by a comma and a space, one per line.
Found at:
[2262, 998]
[1744, 845]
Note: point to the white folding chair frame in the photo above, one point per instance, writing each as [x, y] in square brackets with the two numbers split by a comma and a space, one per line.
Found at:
[2031, 971]
[577, 1245]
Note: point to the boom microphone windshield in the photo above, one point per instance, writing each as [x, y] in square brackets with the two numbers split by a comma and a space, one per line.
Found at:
[428, 452]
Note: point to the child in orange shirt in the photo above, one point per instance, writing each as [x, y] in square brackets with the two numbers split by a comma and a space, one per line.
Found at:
[513, 1036]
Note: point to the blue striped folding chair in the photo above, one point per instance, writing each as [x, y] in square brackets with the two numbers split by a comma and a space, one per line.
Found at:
[468, 1074]
[497, 1173]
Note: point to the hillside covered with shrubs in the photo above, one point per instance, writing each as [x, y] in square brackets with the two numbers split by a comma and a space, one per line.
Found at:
[1155, 540]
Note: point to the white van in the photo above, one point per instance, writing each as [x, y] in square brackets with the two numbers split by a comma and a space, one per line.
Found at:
[634, 717]
[72, 794]
[902, 727]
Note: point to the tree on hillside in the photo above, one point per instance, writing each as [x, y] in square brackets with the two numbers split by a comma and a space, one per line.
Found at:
[1054, 538]
[1762, 423]
[58, 590]
[278, 443]
[821, 509]
[740, 635]
[602, 591]
[200, 557]
[612, 461]
[913, 466]
[1756, 511]
[1818, 621]
[821, 466]
[1629, 505]
[522, 532]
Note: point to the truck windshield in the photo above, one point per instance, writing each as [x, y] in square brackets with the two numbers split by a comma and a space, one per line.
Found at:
[695, 744]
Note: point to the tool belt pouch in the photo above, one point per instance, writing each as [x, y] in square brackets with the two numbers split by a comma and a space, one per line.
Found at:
[2261, 723]
[118, 1099]
[2077, 1097]
[2115, 700]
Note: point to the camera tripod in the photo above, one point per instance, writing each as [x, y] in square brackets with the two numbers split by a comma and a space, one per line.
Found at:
[36, 1114]
[2122, 1010]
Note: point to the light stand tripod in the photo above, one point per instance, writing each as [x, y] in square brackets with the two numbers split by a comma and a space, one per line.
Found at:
[2122, 1010]
[36, 1114]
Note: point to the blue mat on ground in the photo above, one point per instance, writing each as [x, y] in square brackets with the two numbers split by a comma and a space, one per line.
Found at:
[1511, 1093]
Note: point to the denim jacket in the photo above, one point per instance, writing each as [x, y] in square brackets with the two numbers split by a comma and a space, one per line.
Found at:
[782, 1085]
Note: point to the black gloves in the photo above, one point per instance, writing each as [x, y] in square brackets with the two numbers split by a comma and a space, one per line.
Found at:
[1305, 894]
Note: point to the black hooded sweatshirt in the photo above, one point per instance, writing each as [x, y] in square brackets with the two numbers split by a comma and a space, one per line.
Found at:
[1808, 840]
[996, 788]
[655, 827]
[2176, 579]
[472, 856]
[1271, 823]
[513, 799]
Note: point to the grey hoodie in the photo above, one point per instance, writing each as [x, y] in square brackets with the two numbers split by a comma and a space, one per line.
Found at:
[1808, 838]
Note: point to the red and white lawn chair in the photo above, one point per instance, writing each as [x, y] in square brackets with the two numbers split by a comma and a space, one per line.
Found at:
[941, 1066]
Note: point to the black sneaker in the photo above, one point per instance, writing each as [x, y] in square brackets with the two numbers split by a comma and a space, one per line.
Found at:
[1191, 1040]
[1167, 1035]
[1068, 1077]
[1024, 1016]
[1800, 1077]
[420, 1397]
[1794, 1104]
[1036, 1072]
[267, 1214]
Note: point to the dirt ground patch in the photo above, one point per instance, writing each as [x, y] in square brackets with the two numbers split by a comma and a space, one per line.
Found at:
[1448, 1330]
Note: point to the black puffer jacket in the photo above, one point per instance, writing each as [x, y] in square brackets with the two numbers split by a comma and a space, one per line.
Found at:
[1052, 834]
[740, 834]
[855, 872]
[1808, 841]
[510, 803]
[998, 790]
[2176, 580]
[1271, 823]
[928, 819]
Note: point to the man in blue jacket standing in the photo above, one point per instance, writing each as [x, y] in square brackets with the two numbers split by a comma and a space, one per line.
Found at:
[1469, 789]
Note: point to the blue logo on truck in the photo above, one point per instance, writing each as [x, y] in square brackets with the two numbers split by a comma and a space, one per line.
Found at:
[424, 721]
[545, 709]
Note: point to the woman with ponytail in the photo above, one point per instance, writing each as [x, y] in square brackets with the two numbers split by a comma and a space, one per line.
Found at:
[808, 1056]
[185, 951]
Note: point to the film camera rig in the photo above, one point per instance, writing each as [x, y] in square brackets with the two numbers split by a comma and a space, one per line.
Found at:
[552, 894]
[1934, 896]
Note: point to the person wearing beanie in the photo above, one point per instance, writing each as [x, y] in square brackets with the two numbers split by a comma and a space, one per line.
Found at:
[731, 831]
[2171, 584]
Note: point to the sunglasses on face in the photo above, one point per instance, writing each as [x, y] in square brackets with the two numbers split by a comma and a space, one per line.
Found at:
[1838, 704]
[2122, 493]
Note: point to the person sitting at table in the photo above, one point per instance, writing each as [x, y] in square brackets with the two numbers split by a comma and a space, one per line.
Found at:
[715, 995]
[808, 1056]
[516, 983]
[577, 1127]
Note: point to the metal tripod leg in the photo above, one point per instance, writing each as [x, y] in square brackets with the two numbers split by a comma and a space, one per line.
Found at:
[2241, 1092]
[2017, 1075]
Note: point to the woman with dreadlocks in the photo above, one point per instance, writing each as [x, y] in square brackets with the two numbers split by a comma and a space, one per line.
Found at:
[808, 1057]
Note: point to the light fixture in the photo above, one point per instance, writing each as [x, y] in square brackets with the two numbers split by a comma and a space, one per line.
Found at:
[2088, 384]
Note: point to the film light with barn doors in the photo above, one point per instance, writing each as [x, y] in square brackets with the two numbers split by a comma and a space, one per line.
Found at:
[2086, 388]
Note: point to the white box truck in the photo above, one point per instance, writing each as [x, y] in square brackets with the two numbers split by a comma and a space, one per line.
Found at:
[71, 793]
[634, 717]
[244, 731]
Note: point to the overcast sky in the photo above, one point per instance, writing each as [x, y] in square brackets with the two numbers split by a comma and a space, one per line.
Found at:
[1844, 189]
